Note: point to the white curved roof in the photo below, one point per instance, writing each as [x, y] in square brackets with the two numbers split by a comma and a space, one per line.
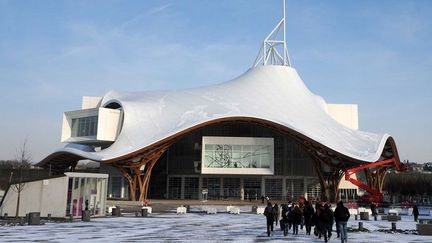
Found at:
[273, 93]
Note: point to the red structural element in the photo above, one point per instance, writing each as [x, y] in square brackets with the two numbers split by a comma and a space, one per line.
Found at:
[374, 195]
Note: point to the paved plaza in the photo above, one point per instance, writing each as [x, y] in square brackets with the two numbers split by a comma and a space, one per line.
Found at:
[195, 227]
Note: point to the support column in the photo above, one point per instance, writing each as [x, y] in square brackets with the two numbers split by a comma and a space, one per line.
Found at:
[122, 188]
[284, 189]
[167, 187]
[221, 189]
[242, 191]
[329, 181]
[110, 186]
[305, 188]
[182, 187]
[131, 170]
[263, 192]
[375, 177]
[200, 187]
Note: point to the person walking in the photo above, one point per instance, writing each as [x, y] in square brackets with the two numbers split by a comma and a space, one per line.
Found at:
[276, 213]
[415, 213]
[284, 224]
[373, 209]
[317, 219]
[296, 219]
[341, 215]
[279, 217]
[308, 213]
[269, 214]
[327, 222]
[290, 217]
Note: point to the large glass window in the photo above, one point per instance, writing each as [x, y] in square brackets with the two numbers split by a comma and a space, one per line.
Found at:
[191, 187]
[231, 188]
[273, 189]
[174, 187]
[213, 187]
[313, 189]
[240, 155]
[252, 187]
[294, 189]
[84, 126]
[116, 186]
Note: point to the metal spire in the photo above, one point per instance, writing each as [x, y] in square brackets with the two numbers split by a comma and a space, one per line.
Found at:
[274, 51]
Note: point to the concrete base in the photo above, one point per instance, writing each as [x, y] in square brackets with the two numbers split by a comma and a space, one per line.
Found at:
[144, 212]
[34, 218]
[116, 212]
[254, 209]
[85, 216]
[181, 210]
[391, 217]
[424, 229]
[364, 216]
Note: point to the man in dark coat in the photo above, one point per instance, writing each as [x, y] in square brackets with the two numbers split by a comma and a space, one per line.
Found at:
[285, 212]
[296, 218]
[317, 219]
[270, 216]
[341, 215]
[327, 220]
[308, 213]
[276, 213]
[373, 209]
[415, 212]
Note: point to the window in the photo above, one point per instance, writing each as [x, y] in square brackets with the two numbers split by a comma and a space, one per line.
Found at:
[237, 155]
[84, 126]
[174, 187]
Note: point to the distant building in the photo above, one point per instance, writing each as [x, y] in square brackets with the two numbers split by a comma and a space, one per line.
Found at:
[427, 167]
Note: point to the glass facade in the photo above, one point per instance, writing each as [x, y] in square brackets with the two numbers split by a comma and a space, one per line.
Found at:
[86, 193]
[213, 187]
[252, 188]
[273, 188]
[179, 171]
[174, 188]
[231, 188]
[295, 188]
[237, 155]
[115, 184]
[84, 126]
[191, 186]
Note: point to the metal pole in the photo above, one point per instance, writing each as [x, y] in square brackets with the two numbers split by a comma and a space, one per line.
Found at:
[284, 34]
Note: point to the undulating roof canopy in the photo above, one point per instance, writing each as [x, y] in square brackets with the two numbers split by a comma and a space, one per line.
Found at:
[272, 93]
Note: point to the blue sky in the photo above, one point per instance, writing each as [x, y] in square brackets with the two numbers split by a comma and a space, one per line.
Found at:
[373, 53]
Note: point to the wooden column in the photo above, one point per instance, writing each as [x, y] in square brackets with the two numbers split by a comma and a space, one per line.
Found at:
[137, 178]
[329, 181]
[375, 177]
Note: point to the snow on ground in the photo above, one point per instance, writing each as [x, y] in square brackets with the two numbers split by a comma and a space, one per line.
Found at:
[193, 227]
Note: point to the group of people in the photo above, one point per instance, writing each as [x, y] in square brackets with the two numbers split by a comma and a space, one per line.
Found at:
[292, 216]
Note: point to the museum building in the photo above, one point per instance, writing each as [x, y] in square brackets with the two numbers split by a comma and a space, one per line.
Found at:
[262, 133]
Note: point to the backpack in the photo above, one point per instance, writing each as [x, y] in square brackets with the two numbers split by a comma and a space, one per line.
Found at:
[268, 211]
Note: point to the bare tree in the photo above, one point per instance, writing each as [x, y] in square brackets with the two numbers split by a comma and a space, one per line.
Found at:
[22, 163]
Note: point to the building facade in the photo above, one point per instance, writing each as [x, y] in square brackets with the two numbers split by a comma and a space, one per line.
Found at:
[262, 133]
